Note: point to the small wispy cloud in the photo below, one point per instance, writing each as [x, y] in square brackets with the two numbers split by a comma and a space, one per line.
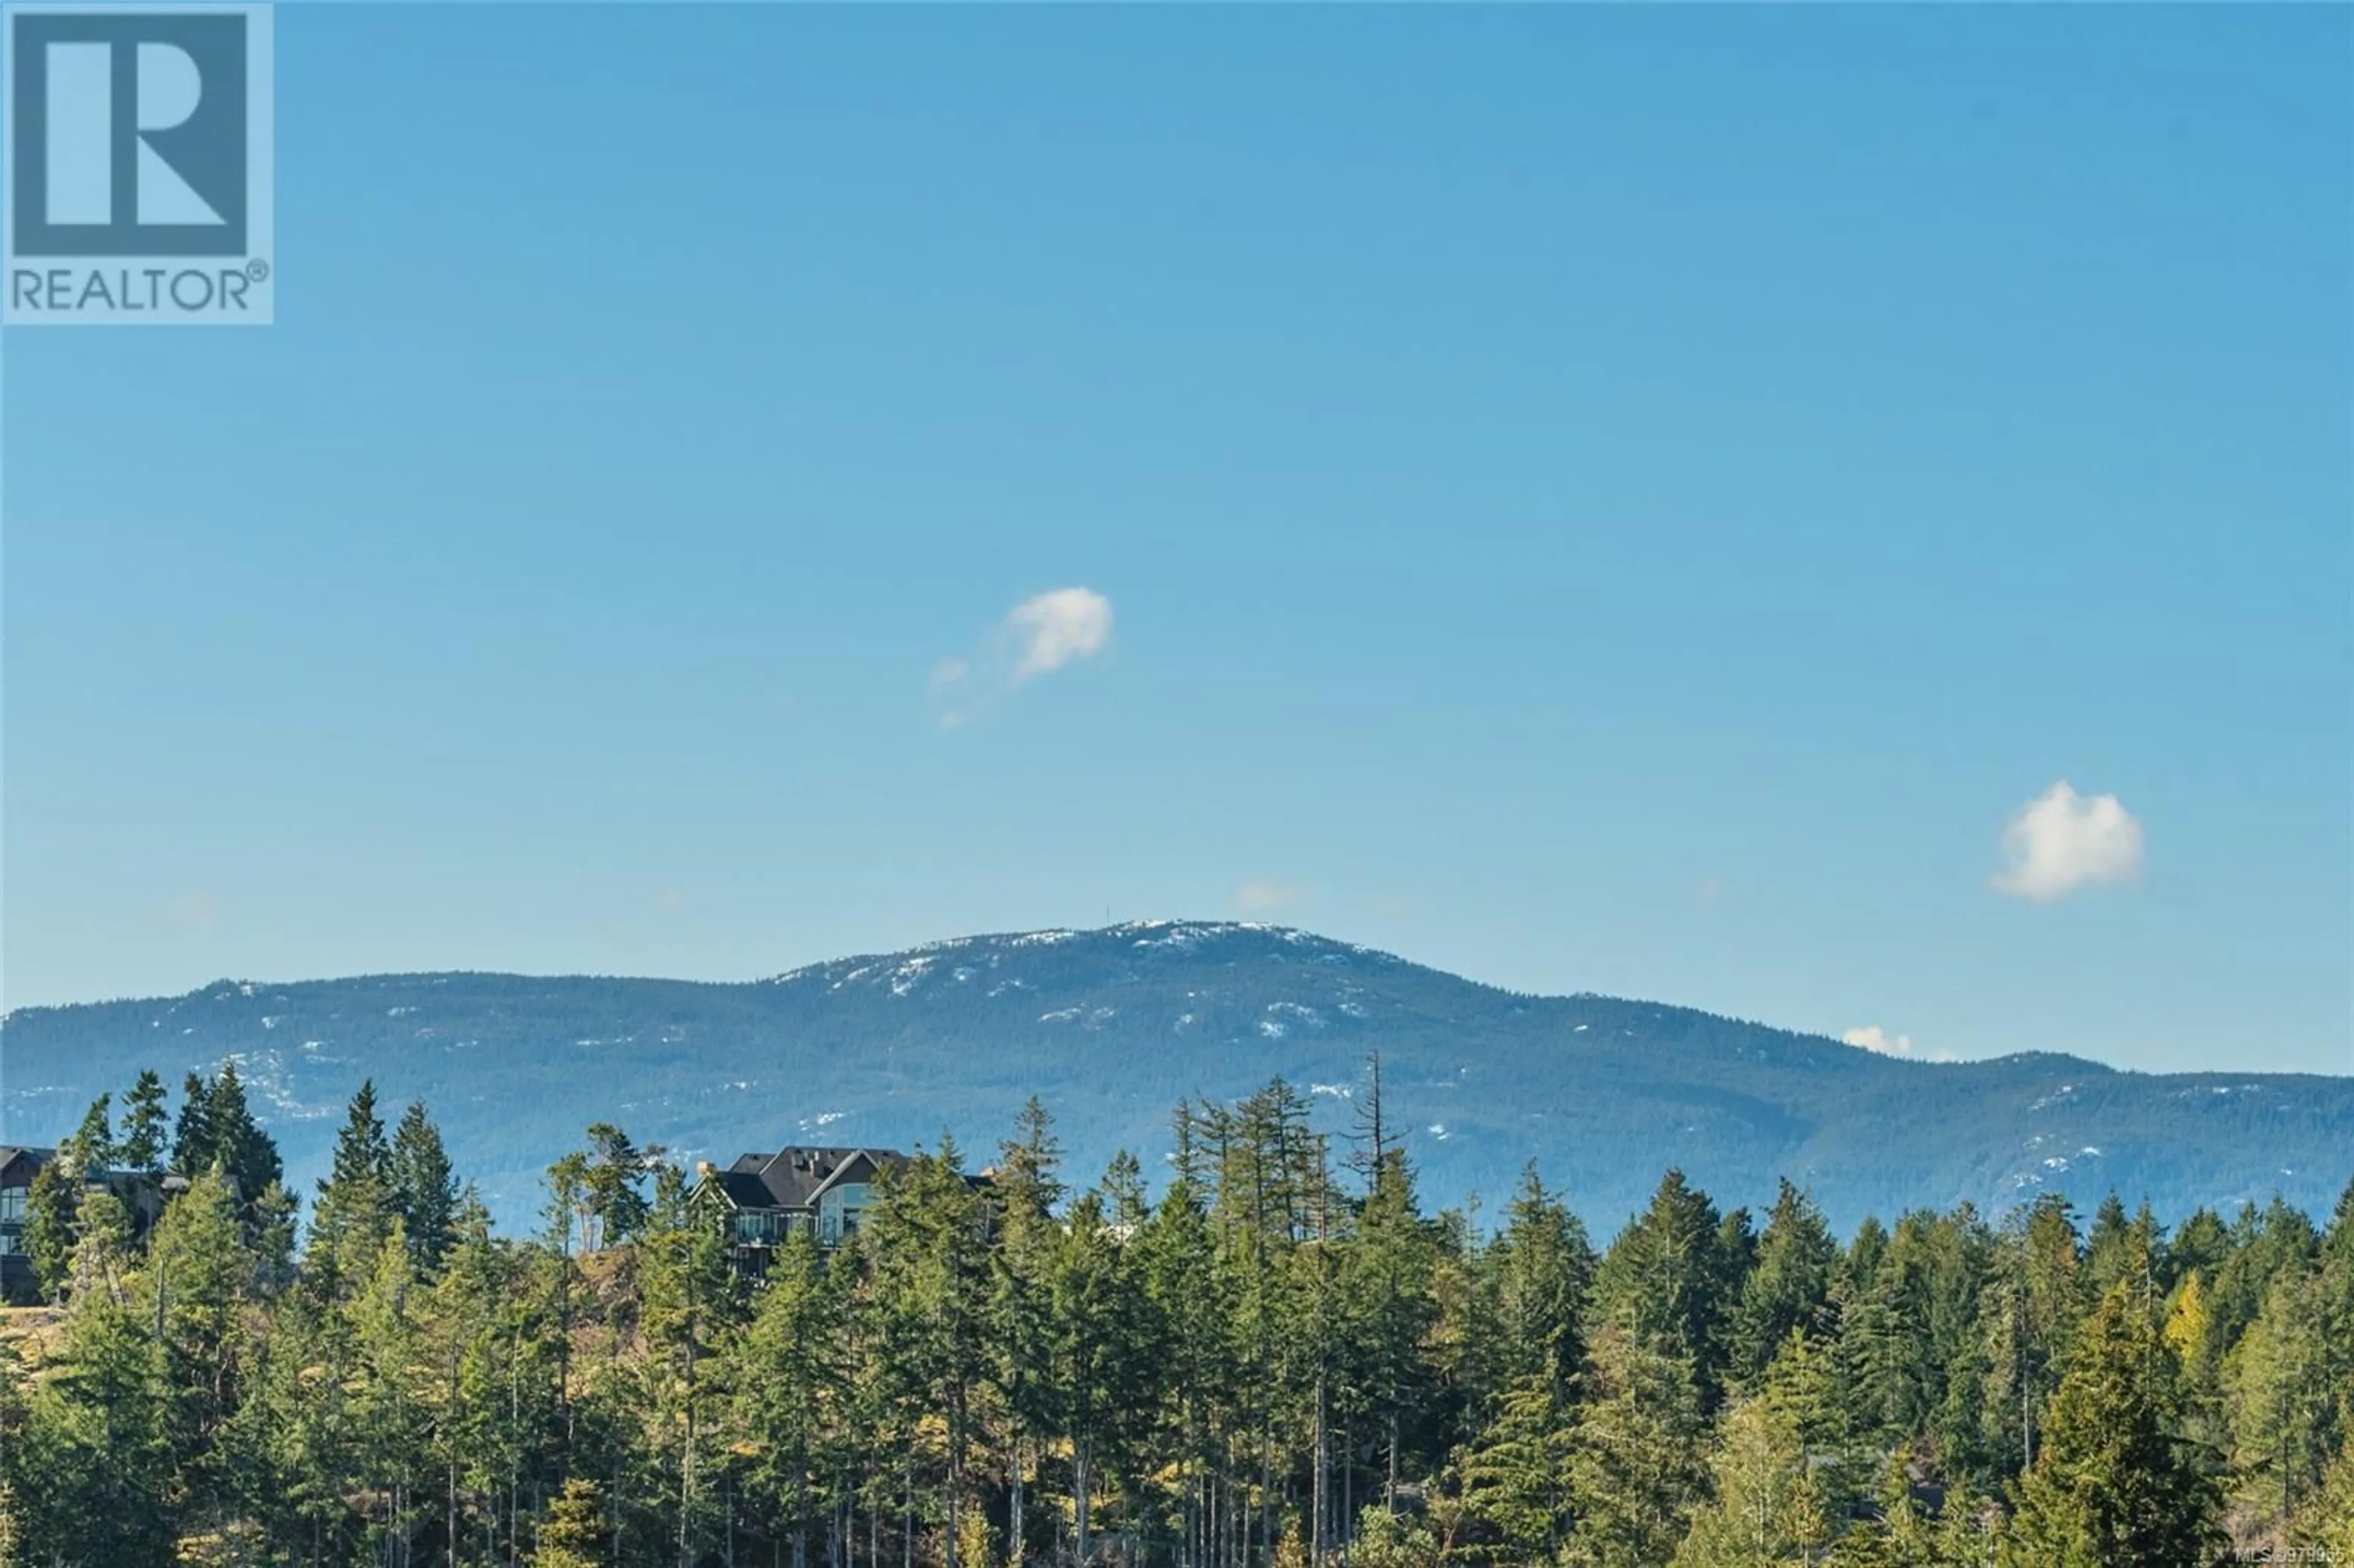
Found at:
[1872, 1037]
[1041, 634]
[2062, 842]
[1058, 629]
[1260, 896]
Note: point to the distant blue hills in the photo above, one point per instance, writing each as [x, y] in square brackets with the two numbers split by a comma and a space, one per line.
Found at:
[1112, 1027]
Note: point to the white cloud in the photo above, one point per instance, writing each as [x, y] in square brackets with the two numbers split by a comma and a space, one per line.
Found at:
[1872, 1037]
[1042, 633]
[1258, 895]
[2062, 840]
[1057, 629]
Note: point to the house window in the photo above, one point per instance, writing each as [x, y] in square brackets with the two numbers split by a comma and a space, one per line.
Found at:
[841, 1210]
[12, 1205]
[759, 1227]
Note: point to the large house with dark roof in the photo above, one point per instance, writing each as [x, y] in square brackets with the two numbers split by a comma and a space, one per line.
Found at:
[823, 1193]
[142, 1195]
[819, 1193]
[17, 1169]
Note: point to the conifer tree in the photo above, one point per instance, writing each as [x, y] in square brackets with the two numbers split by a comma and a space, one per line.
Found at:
[2029, 1313]
[1636, 1462]
[1896, 1533]
[2283, 1421]
[473, 1409]
[192, 1134]
[1087, 1354]
[217, 1128]
[929, 1237]
[2117, 1251]
[1517, 1479]
[1789, 1287]
[1766, 1511]
[105, 1420]
[1176, 1273]
[52, 1206]
[1385, 1540]
[1027, 1186]
[145, 1126]
[787, 1389]
[422, 1190]
[1385, 1299]
[391, 1396]
[353, 1212]
[90, 1152]
[573, 1535]
[2263, 1244]
[200, 1276]
[2326, 1522]
[2113, 1482]
[687, 1306]
[1667, 1279]
[1544, 1267]
[1027, 1179]
[613, 1184]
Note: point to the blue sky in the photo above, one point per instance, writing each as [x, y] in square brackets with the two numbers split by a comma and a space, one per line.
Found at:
[1595, 498]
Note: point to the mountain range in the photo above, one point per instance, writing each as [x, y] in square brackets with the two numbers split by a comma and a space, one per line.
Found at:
[1112, 1027]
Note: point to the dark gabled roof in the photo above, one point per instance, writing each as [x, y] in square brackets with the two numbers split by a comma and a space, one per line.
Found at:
[19, 1163]
[796, 1176]
[863, 1165]
[743, 1188]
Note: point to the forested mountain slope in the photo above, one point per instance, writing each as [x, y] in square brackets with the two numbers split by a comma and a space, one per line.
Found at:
[1112, 1027]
